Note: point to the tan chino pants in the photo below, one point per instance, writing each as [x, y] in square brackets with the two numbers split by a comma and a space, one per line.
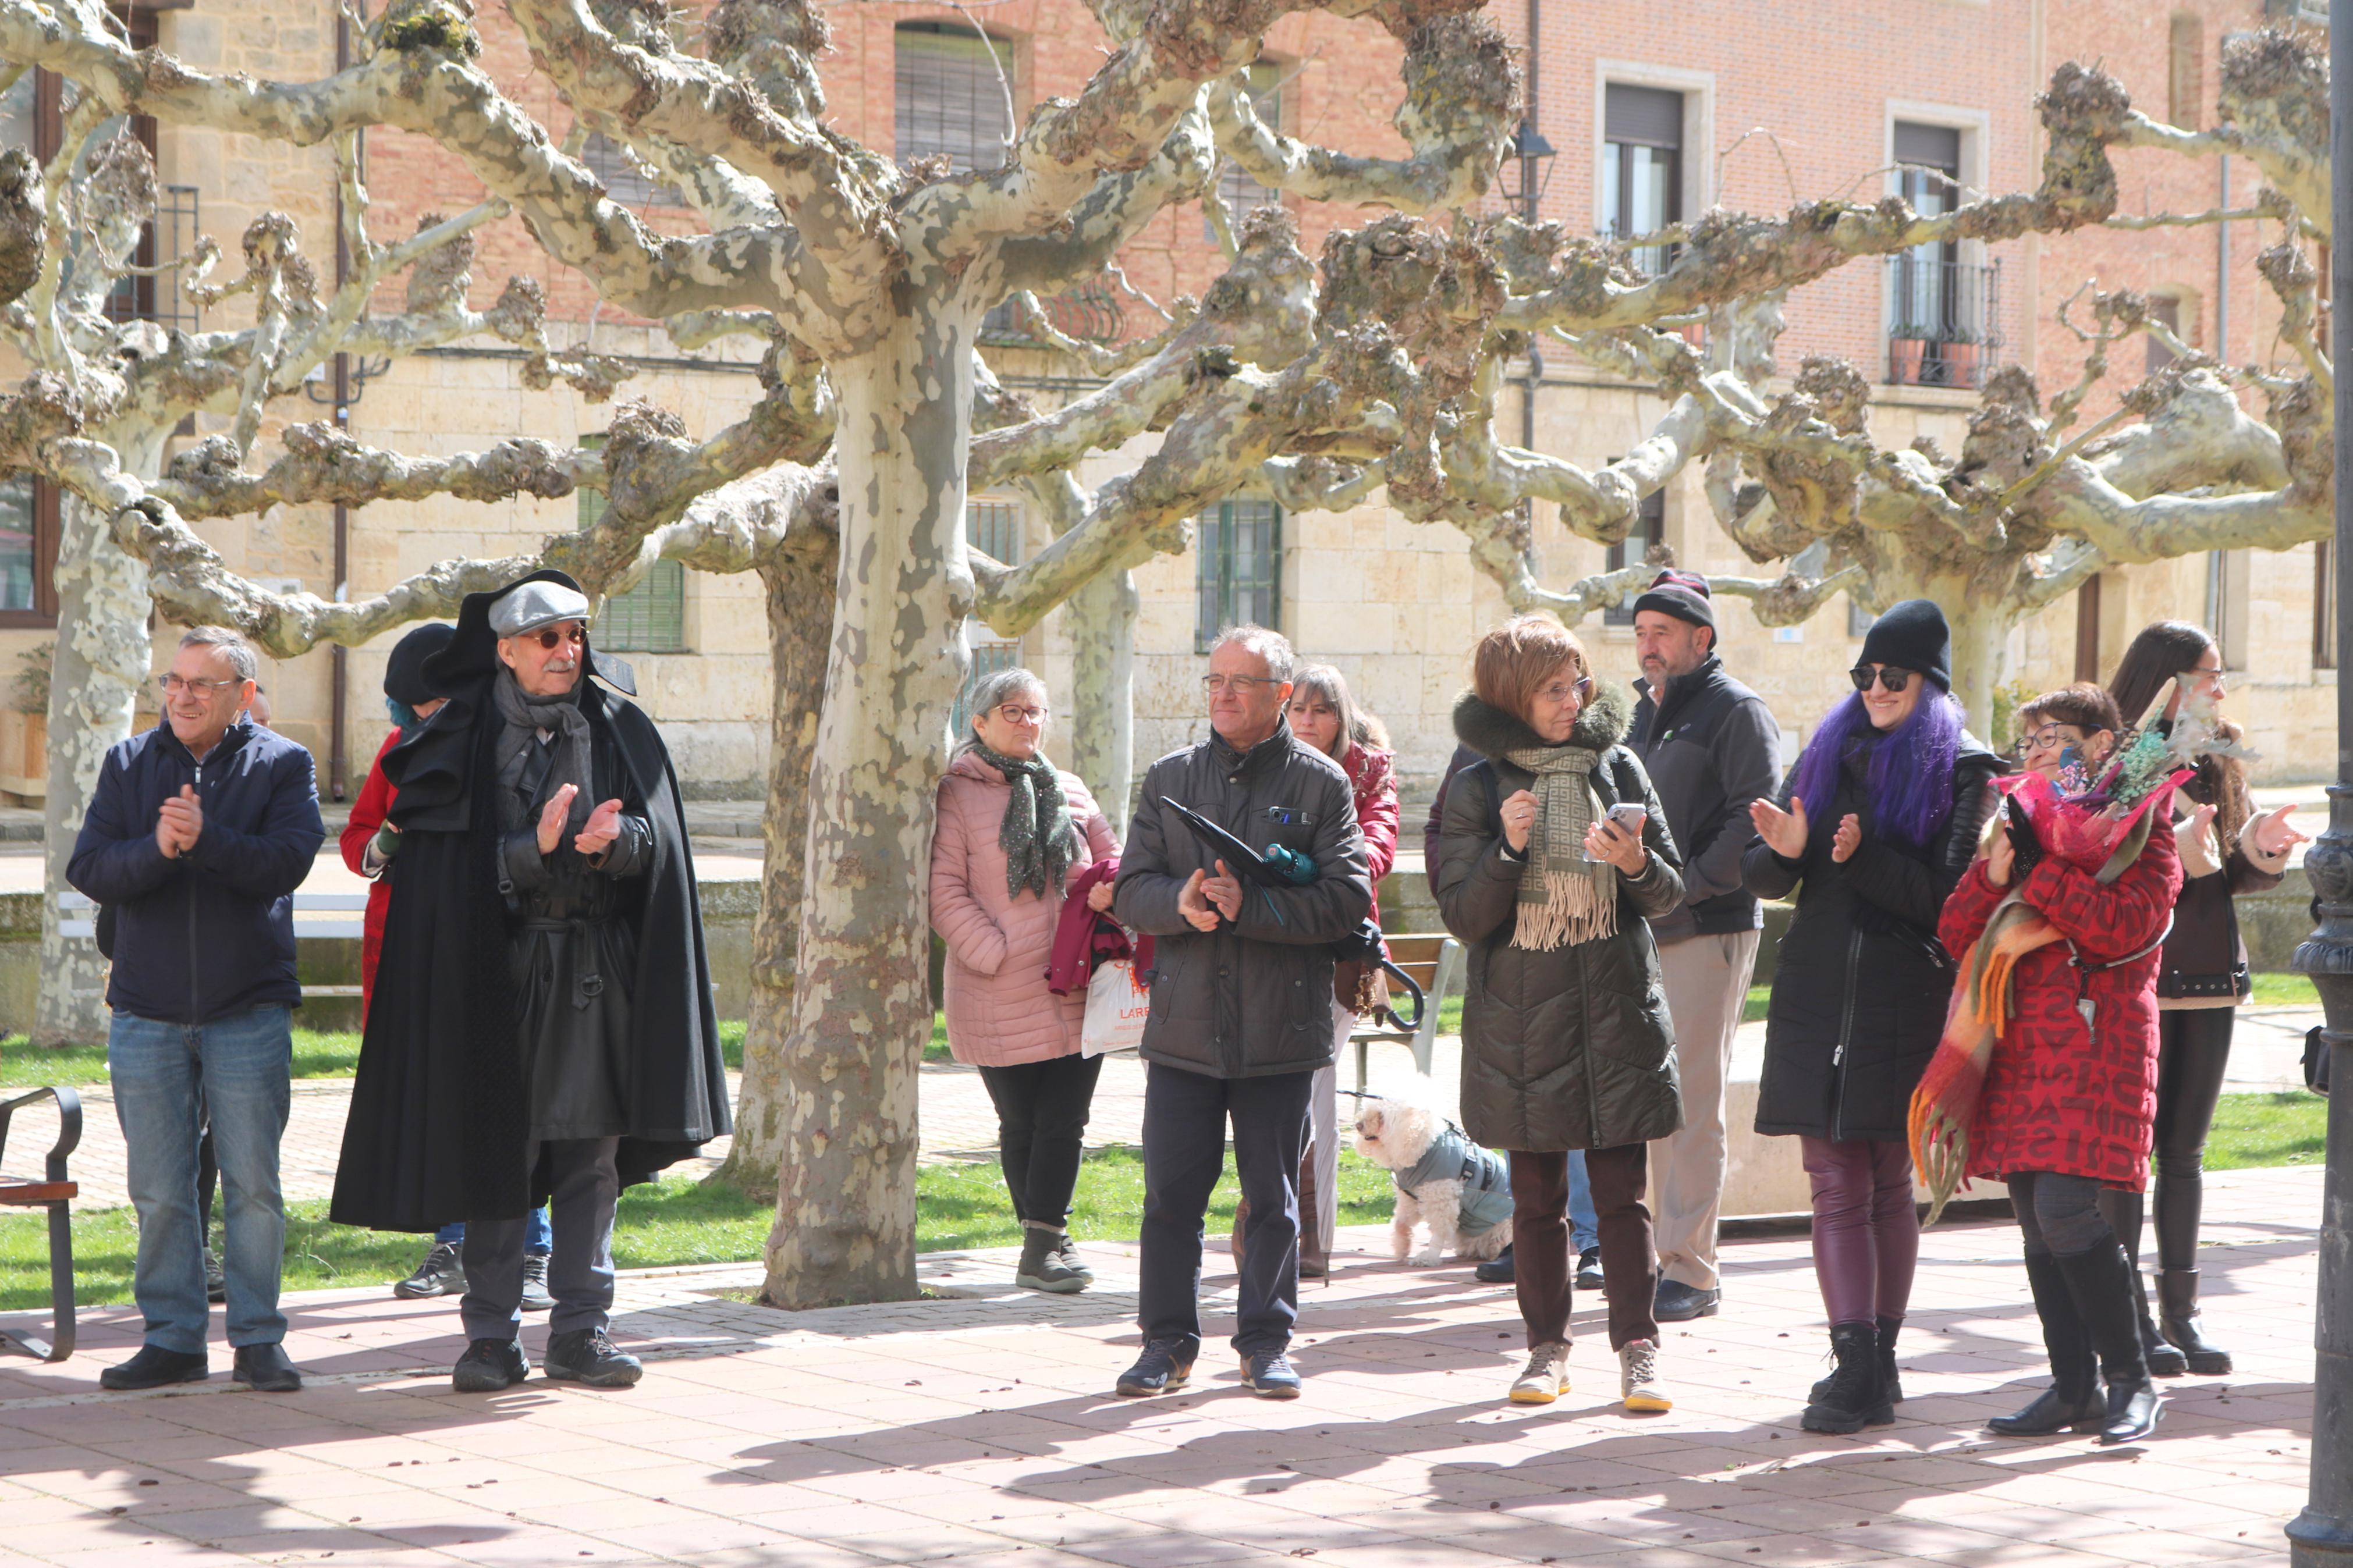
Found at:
[1706, 980]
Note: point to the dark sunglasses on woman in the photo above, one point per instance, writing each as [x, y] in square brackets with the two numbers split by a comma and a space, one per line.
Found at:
[1894, 680]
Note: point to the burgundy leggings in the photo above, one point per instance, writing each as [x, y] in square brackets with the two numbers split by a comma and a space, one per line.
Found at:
[1866, 1230]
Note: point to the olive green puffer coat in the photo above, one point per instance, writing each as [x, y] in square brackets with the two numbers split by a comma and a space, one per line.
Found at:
[1570, 1048]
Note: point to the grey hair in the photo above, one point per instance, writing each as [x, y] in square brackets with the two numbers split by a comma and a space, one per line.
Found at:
[1270, 645]
[993, 690]
[1322, 682]
[233, 647]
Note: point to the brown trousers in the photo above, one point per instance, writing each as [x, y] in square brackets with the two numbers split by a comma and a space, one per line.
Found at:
[1542, 1260]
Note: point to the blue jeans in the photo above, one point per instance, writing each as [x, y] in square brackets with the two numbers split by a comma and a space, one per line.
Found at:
[1584, 1221]
[164, 1075]
[538, 1236]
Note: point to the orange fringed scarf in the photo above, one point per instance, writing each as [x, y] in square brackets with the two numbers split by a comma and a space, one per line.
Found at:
[1944, 1103]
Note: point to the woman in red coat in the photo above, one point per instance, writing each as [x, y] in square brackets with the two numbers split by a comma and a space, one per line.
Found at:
[2070, 1097]
[1326, 716]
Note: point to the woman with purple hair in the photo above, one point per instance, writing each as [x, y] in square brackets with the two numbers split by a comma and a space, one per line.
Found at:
[1873, 829]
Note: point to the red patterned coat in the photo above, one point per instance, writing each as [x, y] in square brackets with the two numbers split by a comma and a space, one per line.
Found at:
[2059, 1095]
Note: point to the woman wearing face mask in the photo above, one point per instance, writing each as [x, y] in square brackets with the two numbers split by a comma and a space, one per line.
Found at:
[1324, 715]
[1873, 830]
[1014, 833]
[2202, 979]
[2063, 1115]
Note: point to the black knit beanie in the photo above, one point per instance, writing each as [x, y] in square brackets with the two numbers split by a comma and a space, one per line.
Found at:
[1913, 636]
[404, 673]
[1682, 595]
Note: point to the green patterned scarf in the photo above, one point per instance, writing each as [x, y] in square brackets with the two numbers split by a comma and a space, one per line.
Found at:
[1564, 897]
[1036, 834]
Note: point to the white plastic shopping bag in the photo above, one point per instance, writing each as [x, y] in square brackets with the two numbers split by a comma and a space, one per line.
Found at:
[1117, 1005]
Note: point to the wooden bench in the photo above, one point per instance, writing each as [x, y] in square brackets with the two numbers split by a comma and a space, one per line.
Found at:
[1435, 961]
[78, 916]
[54, 1191]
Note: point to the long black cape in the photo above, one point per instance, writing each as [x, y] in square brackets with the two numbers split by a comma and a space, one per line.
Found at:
[440, 1113]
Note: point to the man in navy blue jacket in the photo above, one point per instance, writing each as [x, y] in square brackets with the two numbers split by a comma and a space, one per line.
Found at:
[198, 834]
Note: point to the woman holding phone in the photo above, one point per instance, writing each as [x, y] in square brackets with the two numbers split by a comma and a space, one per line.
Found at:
[1551, 855]
[1873, 830]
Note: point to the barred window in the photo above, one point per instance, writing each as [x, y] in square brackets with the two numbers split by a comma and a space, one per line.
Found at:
[993, 528]
[952, 92]
[1238, 191]
[650, 618]
[1239, 544]
[625, 181]
[1649, 528]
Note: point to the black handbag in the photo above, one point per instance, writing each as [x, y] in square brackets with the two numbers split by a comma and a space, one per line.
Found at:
[2315, 1060]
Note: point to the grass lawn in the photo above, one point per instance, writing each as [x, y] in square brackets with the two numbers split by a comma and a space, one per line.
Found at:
[665, 1224]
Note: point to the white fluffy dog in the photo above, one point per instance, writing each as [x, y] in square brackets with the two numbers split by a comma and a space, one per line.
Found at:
[1461, 1191]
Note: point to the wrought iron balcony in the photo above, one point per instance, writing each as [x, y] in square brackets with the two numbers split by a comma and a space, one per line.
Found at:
[1945, 320]
[151, 292]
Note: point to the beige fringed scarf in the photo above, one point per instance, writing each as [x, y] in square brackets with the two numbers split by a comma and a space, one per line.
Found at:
[1564, 897]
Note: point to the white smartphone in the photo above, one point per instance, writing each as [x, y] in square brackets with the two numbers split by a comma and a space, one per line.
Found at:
[1625, 817]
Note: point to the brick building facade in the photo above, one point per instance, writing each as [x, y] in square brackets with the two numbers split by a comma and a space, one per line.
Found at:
[1654, 114]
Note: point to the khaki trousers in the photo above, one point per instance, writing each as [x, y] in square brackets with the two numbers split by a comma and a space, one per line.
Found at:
[1706, 980]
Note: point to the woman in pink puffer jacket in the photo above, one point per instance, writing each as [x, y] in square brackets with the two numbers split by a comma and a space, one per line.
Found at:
[1014, 831]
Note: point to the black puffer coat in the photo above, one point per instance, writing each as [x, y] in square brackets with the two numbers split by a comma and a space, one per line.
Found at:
[1861, 981]
[1570, 1048]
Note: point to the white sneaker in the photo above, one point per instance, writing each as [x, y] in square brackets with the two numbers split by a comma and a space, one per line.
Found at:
[1638, 1377]
[1546, 1377]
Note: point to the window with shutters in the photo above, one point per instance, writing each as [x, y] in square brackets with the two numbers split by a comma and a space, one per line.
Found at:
[954, 96]
[625, 178]
[2184, 69]
[1642, 166]
[29, 552]
[1649, 530]
[650, 618]
[1238, 191]
[1944, 312]
[2166, 309]
[1238, 580]
[993, 528]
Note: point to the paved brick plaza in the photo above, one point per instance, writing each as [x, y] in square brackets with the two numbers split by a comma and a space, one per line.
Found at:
[979, 1429]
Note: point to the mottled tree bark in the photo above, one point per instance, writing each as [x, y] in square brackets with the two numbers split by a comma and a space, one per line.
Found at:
[102, 655]
[862, 1008]
[1100, 620]
[798, 584]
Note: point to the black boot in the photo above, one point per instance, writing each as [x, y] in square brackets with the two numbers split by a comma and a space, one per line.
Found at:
[1888, 1329]
[1857, 1395]
[2123, 1210]
[2074, 1402]
[2105, 1286]
[2177, 1288]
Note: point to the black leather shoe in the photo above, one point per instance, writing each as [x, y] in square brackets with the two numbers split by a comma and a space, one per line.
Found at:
[2133, 1409]
[1677, 1302]
[1162, 1368]
[491, 1366]
[2052, 1411]
[1497, 1271]
[155, 1367]
[1589, 1269]
[535, 1297]
[441, 1274]
[216, 1280]
[266, 1369]
[585, 1355]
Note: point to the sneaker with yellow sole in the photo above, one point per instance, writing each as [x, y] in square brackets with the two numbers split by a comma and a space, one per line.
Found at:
[1546, 1377]
[1638, 1377]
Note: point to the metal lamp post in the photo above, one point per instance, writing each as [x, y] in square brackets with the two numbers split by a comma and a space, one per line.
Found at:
[2322, 1535]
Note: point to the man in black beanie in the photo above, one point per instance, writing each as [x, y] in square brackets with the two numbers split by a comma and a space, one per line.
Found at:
[1711, 746]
